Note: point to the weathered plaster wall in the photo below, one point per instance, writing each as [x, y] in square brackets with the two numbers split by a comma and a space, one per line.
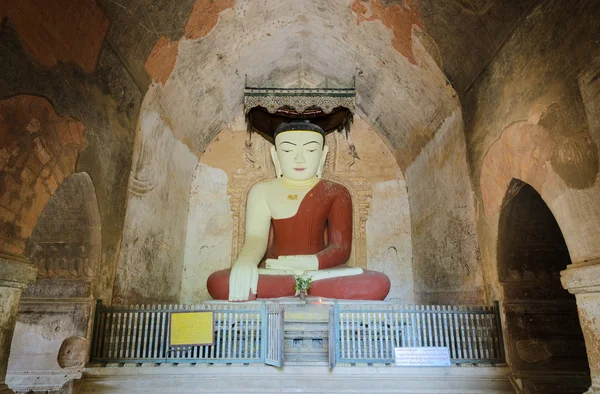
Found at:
[209, 232]
[210, 221]
[447, 269]
[533, 115]
[145, 34]
[153, 245]
[389, 242]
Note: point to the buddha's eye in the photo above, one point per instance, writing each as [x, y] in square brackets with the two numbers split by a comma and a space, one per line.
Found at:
[286, 151]
[312, 150]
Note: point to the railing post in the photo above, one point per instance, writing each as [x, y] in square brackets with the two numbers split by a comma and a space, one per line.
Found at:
[96, 330]
[263, 335]
[336, 330]
[499, 329]
[167, 337]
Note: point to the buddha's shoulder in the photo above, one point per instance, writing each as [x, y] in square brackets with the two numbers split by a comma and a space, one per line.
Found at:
[334, 187]
[264, 187]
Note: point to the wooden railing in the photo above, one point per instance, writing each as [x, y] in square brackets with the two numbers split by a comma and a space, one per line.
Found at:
[253, 333]
[140, 334]
[367, 333]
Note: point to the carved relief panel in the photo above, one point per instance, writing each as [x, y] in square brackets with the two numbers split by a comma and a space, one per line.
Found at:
[66, 241]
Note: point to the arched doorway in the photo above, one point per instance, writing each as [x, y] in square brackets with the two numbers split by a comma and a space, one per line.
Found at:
[545, 345]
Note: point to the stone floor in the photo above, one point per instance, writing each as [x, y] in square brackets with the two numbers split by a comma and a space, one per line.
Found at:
[202, 378]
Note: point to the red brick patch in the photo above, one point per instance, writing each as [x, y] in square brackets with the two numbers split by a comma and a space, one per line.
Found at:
[398, 17]
[34, 164]
[55, 31]
[204, 17]
[161, 62]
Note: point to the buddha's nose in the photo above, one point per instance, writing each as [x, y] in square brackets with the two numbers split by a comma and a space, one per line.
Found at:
[299, 157]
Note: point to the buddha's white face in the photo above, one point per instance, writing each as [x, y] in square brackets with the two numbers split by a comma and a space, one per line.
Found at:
[299, 153]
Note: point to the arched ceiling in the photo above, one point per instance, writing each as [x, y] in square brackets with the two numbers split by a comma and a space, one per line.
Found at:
[393, 48]
[303, 43]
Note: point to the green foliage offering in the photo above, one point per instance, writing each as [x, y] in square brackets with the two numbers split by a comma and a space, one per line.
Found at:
[302, 284]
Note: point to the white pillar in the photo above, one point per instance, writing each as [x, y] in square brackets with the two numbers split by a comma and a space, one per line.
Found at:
[15, 274]
[583, 280]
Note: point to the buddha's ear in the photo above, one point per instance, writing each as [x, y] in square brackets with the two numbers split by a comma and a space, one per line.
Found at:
[276, 162]
[322, 162]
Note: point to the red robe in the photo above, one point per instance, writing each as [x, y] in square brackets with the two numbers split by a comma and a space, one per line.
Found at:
[327, 206]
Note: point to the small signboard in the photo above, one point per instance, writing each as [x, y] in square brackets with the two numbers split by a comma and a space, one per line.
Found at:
[422, 356]
[191, 328]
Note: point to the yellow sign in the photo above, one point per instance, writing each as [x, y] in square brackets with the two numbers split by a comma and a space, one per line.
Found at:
[191, 328]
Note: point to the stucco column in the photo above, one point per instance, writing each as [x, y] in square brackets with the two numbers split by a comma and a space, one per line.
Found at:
[583, 280]
[15, 274]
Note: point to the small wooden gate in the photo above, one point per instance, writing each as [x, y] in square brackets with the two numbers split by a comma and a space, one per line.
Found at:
[274, 335]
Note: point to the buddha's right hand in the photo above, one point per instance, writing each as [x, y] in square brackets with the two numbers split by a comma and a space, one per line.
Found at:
[243, 280]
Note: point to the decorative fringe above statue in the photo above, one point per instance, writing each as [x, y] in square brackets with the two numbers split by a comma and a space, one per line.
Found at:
[331, 109]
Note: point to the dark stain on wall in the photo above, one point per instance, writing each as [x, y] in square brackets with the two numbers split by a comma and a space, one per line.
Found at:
[539, 66]
[468, 33]
[136, 26]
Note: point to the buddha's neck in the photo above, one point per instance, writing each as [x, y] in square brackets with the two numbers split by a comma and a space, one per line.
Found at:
[298, 184]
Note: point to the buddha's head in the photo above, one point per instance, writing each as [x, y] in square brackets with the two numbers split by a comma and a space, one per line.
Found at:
[299, 152]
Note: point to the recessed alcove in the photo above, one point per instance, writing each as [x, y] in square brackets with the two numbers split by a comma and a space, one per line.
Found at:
[236, 160]
[543, 334]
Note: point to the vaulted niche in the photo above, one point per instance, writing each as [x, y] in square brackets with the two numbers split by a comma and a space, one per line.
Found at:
[545, 345]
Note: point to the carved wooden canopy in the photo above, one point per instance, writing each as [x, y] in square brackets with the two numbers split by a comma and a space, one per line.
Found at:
[329, 108]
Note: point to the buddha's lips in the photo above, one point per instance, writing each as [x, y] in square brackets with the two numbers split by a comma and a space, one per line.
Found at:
[299, 169]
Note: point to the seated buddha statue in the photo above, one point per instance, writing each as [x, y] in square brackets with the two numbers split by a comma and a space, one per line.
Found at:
[297, 224]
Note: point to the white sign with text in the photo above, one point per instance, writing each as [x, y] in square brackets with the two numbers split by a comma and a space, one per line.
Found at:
[422, 356]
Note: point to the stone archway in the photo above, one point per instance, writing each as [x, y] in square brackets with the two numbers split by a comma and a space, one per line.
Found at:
[545, 344]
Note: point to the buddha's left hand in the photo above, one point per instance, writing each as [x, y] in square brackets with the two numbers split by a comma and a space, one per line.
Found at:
[298, 263]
